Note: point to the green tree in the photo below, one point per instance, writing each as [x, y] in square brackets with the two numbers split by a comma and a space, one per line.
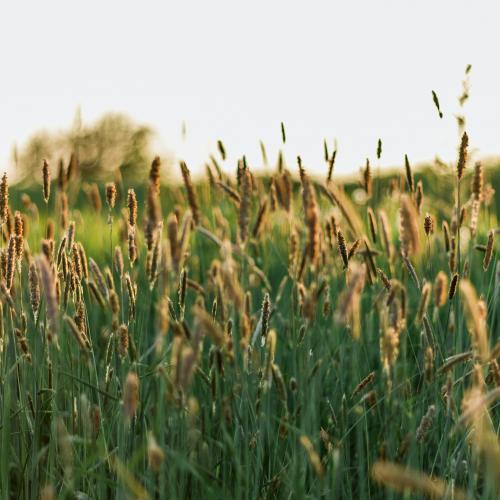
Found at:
[113, 142]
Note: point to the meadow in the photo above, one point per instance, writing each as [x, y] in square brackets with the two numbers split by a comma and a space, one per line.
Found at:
[250, 335]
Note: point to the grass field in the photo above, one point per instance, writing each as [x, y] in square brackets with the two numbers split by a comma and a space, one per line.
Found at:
[274, 336]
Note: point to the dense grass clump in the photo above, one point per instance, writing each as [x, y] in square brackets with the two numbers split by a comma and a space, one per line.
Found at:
[251, 337]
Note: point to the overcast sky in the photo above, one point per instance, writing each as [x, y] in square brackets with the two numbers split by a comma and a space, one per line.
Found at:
[352, 71]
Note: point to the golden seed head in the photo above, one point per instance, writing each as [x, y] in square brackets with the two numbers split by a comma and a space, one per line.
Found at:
[440, 289]
[50, 230]
[489, 250]
[311, 218]
[111, 194]
[409, 175]
[61, 176]
[132, 246]
[372, 223]
[156, 455]
[64, 210]
[453, 286]
[428, 224]
[245, 204]
[19, 234]
[132, 207]
[118, 261]
[154, 174]
[46, 181]
[131, 395]
[94, 197]
[367, 178]
[408, 227]
[265, 313]
[123, 340]
[478, 182]
[462, 155]
[4, 199]
[191, 194]
[342, 248]
[34, 286]
[419, 196]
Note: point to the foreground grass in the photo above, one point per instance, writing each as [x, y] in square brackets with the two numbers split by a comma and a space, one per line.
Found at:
[254, 366]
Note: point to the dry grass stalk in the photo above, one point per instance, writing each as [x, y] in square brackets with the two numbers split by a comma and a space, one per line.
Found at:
[156, 455]
[389, 347]
[353, 249]
[342, 249]
[408, 227]
[419, 196]
[99, 278]
[132, 245]
[338, 198]
[409, 175]
[476, 322]
[234, 195]
[191, 194]
[401, 479]
[363, 384]
[385, 280]
[245, 204]
[372, 224]
[367, 179]
[425, 424]
[80, 337]
[440, 289]
[49, 288]
[63, 210]
[311, 215]
[118, 261]
[206, 325]
[261, 217]
[312, 456]
[424, 302]
[454, 360]
[411, 270]
[130, 395]
[386, 233]
[489, 250]
[349, 302]
[94, 197]
[446, 236]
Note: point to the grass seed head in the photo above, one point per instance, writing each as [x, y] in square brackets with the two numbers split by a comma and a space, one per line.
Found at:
[132, 207]
[46, 181]
[489, 250]
[111, 195]
[462, 155]
[4, 199]
[130, 395]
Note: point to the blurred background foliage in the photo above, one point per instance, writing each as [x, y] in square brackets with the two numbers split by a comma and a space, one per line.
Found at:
[113, 142]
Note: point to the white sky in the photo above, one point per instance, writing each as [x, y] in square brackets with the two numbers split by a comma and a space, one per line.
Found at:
[350, 70]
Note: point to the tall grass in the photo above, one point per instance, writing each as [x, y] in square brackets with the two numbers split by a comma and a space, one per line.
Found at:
[250, 337]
